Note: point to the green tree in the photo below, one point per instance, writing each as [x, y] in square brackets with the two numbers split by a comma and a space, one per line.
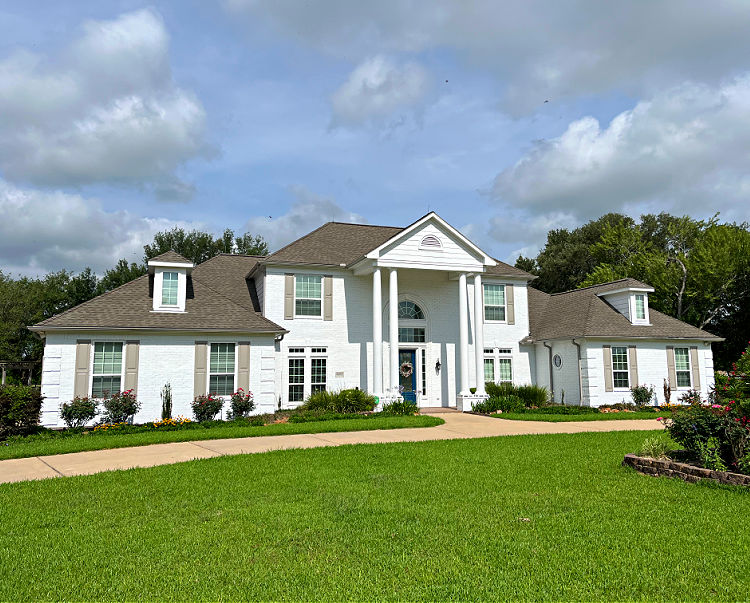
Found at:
[248, 244]
[199, 246]
[119, 275]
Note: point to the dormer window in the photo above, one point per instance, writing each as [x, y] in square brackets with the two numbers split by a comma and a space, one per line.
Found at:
[169, 287]
[640, 306]
[170, 273]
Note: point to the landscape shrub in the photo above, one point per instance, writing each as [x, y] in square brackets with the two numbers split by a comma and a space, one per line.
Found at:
[691, 396]
[344, 401]
[400, 408]
[495, 390]
[643, 395]
[533, 395]
[561, 409]
[241, 404]
[206, 407]
[717, 434]
[20, 409]
[166, 401]
[79, 411]
[656, 448]
[120, 407]
[508, 403]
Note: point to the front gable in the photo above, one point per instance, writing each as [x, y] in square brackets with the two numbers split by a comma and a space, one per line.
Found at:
[431, 244]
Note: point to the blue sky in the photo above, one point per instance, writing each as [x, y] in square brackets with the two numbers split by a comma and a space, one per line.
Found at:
[118, 119]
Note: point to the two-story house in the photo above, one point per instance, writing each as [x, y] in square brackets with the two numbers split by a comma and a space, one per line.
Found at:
[419, 312]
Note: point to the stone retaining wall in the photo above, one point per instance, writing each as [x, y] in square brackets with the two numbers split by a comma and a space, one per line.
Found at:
[689, 473]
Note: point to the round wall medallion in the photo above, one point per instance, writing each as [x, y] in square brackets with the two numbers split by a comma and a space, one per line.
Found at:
[557, 360]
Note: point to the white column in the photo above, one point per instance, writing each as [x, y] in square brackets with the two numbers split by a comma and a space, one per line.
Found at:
[479, 331]
[377, 335]
[463, 335]
[393, 328]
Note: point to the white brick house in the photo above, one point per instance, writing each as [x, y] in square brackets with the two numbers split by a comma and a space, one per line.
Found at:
[394, 311]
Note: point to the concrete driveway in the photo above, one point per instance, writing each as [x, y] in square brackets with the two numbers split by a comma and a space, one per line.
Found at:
[457, 426]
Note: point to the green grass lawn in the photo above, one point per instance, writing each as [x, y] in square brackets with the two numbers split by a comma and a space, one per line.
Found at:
[54, 444]
[599, 416]
[531, 517]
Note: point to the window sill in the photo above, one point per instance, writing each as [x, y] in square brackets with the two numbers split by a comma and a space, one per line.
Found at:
[169, 310]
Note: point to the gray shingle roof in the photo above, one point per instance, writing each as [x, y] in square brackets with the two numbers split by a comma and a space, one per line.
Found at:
[582, 313]
[170, 256]
[337, 243]
[218, 298]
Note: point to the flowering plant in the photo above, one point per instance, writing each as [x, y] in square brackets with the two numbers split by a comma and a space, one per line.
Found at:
[206, 407]
[120, 407]
[241, 404]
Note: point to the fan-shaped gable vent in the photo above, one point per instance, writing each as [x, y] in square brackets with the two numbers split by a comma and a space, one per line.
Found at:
[430, 242]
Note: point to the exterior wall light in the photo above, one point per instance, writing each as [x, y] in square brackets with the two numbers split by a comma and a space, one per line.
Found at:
[437, 367]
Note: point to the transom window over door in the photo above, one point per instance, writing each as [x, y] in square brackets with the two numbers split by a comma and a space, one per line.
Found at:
[620, 373]
[494, 302]
[169, 285]
[682, 366]
[107, 368]
[221, 379]
[307, 295]
[408, 310]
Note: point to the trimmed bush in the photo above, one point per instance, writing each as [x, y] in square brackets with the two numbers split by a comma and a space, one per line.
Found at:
[241, 404]
[206, 407]
[400, 408]
[79, 411]
[344, 401]
[643, 395]
[120, 407]
[509, 403]
[561, 409]
[533, 395]
[496, 390]
[20, 409]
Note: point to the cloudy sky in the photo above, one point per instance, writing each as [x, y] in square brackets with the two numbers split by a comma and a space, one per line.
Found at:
[119, 119]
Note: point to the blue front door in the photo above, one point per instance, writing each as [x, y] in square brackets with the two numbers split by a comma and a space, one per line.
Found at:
[407, 374]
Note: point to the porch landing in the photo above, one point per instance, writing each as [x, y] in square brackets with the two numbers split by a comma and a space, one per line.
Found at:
[457, 425]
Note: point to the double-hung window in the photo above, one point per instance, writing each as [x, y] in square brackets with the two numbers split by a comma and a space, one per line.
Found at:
[107, 371]
[494, 302]
[169, 286]
[504, 369]
[682, 366]
[307, 295]
[221, 374]
[640, 306]
[620, 373]
[489, 370]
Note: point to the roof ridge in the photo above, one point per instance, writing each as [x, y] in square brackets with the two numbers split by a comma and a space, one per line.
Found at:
[236, 255]
[627, 278]
[88, 301]
[360, 224]
[270, 255]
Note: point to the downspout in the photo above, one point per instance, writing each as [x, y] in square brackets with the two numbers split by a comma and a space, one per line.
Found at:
[551, 378]
[580, 378]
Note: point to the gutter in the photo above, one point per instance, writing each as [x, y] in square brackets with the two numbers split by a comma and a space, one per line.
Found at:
[551, 376]
[580, 378]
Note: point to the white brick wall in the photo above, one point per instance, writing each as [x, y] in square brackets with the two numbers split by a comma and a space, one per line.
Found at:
[162, 358]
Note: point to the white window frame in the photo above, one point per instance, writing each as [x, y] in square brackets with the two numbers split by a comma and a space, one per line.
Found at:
[318, 353]
[91, 365]
[176, 288]
[504, 306]
[689, 370]
[320, 299]
[294, 353]
[626, 370]
[496, 355]
[209, 373]
[634, 309]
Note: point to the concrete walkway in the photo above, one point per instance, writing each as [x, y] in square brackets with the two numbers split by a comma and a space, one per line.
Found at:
[457, 426]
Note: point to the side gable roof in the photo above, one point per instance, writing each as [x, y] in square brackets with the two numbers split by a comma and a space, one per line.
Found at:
[170, 256]
[582, 313]
[215, 302]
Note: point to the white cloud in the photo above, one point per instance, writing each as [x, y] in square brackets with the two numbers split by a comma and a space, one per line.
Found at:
[42, 231]
[685, 149]
[105, 109]
[308, 213]
[377, 89]
[539, 49]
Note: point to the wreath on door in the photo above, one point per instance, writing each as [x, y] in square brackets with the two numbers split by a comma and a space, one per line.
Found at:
[406, 369]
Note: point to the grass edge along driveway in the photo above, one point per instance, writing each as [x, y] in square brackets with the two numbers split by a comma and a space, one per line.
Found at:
[549, 517]
[560, 418]
[32, 446]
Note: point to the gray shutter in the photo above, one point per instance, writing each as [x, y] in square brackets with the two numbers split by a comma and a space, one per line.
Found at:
[201, 368]
[131, 365]
[510, 305]
[327, 298]
[83, 359]
[671, 372]
[243, 366]
[695, 367]
[288, 296]
[633, 365]
[608, 381]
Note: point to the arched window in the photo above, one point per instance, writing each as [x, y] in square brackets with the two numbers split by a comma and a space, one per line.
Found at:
[408, 310]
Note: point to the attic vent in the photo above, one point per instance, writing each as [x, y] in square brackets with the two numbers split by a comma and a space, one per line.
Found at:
[430, 242]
